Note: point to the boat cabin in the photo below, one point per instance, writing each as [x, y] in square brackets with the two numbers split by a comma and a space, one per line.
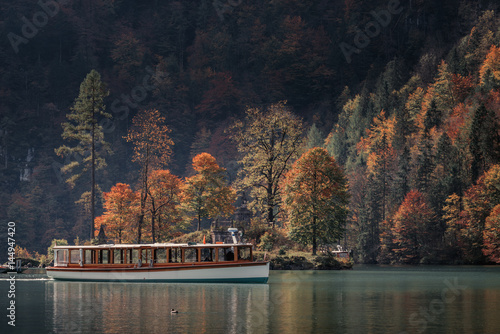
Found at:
[150, 255]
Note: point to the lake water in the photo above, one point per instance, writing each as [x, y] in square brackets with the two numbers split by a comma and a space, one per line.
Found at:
[368, 299]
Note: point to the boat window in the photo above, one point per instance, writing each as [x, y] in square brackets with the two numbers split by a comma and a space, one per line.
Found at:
[117, 255]
[104, 256]
[146, 255]
[207, 254]
[244, 253]
[74, 256]
[89, 258]
[226, 254]
[190, 255]
[174, 255]
[161, 255]
[128, 255]
[60, 257]
[135, 256]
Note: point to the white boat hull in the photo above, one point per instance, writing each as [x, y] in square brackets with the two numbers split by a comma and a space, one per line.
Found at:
[236, 273]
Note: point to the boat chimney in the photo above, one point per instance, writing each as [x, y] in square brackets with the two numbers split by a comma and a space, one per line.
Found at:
[233, 232]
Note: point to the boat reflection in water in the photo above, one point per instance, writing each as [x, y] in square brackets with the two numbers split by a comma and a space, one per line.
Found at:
[102, 307]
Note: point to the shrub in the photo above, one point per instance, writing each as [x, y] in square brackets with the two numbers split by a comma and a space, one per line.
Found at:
[267, 241]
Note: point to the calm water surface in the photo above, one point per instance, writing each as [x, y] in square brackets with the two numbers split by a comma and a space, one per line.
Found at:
[368, 299]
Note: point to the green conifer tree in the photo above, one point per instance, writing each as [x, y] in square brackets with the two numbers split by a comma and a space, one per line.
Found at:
[84, 131]
[314, 137]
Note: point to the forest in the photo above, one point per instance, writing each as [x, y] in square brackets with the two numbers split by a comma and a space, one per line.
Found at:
[403, 96]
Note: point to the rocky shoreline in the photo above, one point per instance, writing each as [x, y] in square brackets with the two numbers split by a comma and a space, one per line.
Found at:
[320, 262]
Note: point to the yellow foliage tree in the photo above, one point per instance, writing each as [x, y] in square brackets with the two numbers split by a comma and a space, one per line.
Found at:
[490, 70]
[152, 150]
[206, 194]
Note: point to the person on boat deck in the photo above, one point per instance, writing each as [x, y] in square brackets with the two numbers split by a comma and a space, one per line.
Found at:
[229, 256]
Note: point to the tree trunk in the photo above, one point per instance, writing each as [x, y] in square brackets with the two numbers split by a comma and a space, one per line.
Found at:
[92, 181]
[314, 236]
[153, 227]
[270, 205]
[199, 222]
[139, 227]
[153, 214]
[144, 196]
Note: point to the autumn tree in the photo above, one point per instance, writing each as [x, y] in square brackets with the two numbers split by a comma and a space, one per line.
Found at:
[491, 236]
[152, 150]
[381, 166]
[453, 217]
[268, 140]
[425, 163]
[120, 205]
[490, 70]
[315, 199]
[466, 217]
[206, 194]
[411, 228]
[381, 160]
[163, 205]
[87, 135]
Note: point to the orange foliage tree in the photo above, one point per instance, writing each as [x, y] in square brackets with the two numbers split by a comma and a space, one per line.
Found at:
[490, 70]
[152, 150]
[411, 228]
[315, 199]
[455, 125]
[206, 193]
[466, 218]
[164, 203]
[466, 226]
[491, 235]
[462, 86]
[120, 205]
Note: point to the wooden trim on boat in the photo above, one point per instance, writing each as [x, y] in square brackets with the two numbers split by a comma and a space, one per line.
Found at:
[163, 268]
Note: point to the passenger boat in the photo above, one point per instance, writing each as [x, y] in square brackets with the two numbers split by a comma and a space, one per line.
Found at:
[159, 262]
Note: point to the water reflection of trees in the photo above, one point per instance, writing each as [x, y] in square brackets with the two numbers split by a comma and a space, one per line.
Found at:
[136, 307]
[293, 302]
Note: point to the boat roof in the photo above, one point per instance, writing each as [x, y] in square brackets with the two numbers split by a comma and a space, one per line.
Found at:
[156, 245]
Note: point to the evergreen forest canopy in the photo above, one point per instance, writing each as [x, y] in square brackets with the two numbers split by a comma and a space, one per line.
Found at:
[404, 95]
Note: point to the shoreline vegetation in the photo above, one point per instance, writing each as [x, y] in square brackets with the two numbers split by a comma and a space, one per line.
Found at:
[306, 261]
[282, 254]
